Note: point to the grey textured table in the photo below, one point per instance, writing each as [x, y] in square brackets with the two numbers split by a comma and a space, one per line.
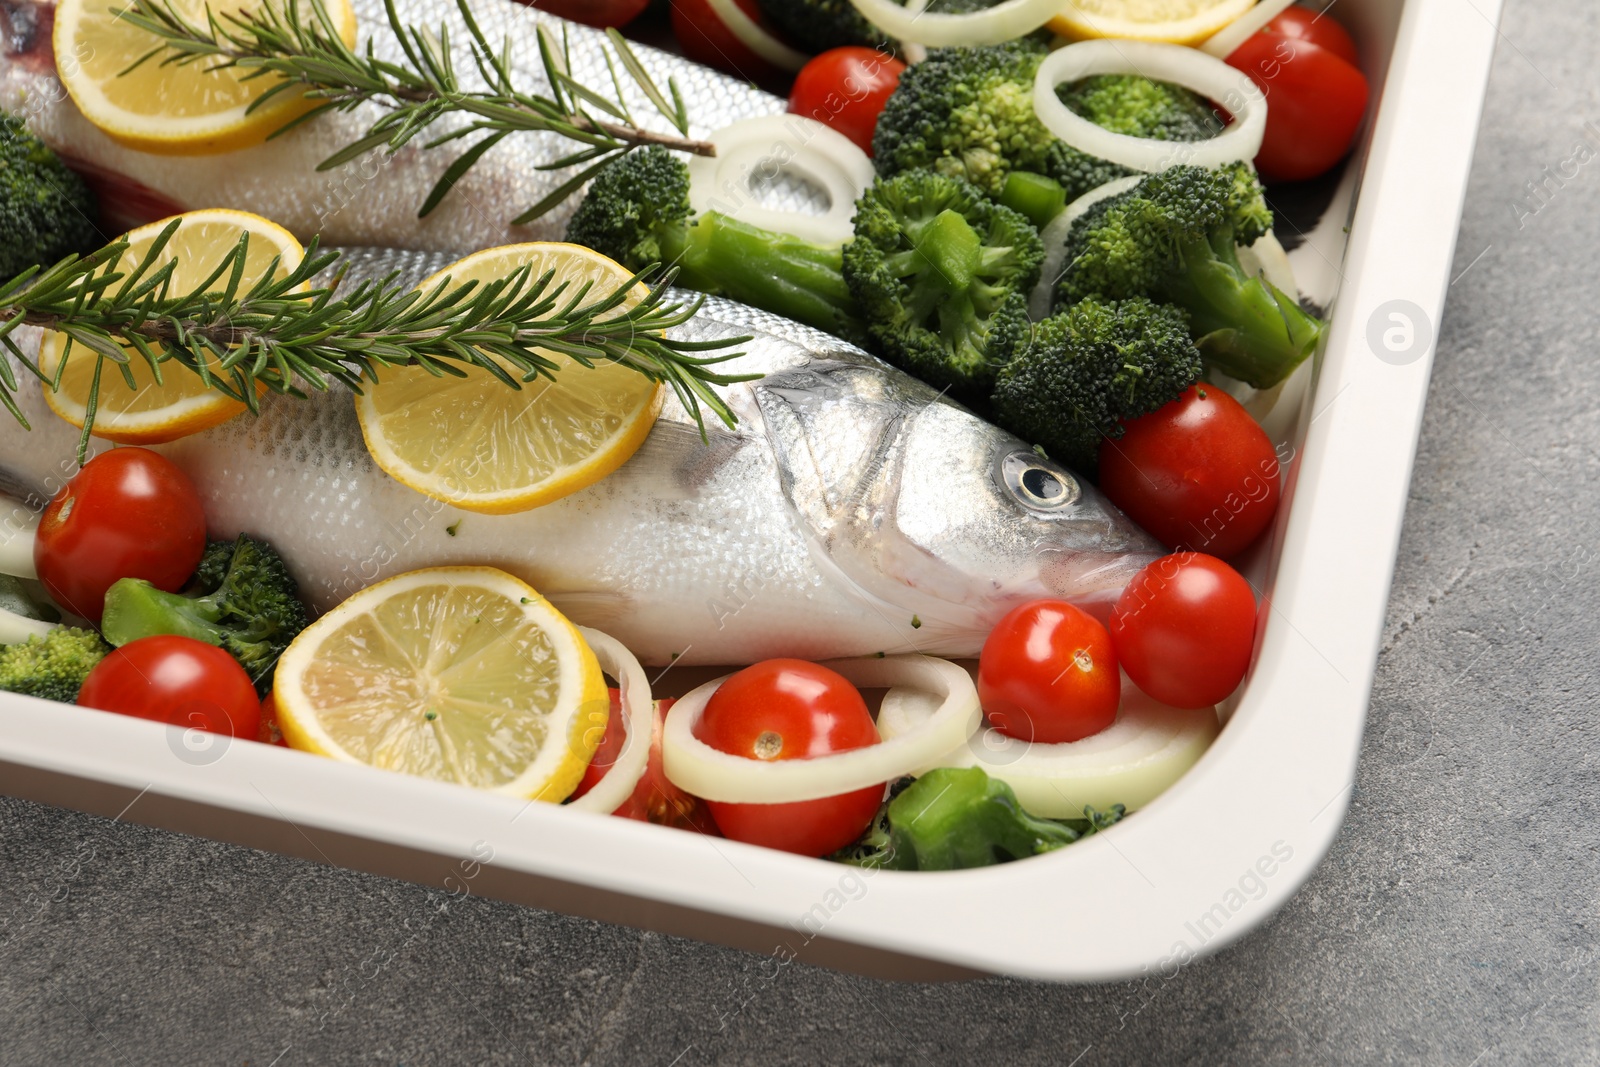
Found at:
[1454, 921]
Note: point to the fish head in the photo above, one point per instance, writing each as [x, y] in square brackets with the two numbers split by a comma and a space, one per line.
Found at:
[943, 521]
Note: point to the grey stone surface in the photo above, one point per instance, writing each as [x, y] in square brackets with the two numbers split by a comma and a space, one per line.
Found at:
[1453, 922]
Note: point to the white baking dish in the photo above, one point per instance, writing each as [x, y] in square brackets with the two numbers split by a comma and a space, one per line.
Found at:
[1201, 866]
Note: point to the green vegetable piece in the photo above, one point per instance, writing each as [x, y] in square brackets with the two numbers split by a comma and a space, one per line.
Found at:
[52, 667]
[941, 275]
[1034, 195]
[253, 613]
[46, 211]
[1174, 237]
[952, 819]
[1085, 371]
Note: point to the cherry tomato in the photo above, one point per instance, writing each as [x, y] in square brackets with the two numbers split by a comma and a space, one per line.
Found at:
[1315, 102]
[790, 709]
[601, 13]
[1184, 629]
[704, 38]
[270, 732]
[654, 798]
[846, 88]
[178, 681]
[1048, 673]
[129, 513]
[1198, 473]
[1317, 29]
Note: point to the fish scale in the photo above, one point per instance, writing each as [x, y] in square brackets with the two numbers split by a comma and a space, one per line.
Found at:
[851, 510]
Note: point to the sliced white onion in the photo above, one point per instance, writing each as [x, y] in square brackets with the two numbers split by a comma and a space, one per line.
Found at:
[1131, 762]
[1267, 258]
[776, 143]
[754, 36]
[996, 25]
[911, 51]
[1054, 236]
[638, 714]
[1206, 75]
[1222, 43]
[15, 629]
[16, 541]
[953, 716]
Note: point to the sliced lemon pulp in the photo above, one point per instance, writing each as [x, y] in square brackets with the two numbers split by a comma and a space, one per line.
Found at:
[1172, 21]
[461, 674]
[476, 443]
[175, 109]
[182, 404]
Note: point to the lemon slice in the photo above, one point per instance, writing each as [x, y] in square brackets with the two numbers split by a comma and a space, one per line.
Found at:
[1171, 21]
[181, 404]
[185, 109]
[461, 674]
[479, 445]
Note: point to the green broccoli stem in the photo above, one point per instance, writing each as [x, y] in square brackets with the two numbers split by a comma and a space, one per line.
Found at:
[777, 272]
[135, 609]
[1245, 327]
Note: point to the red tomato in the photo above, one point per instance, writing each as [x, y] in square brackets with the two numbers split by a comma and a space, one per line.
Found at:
[846, 88]
[1184, 629]
[1198, 473]
[178, 681]
[704, 38]
[790, 709]
[129, 513]
[270, 733]
[1048, 673]
[1317, 29]
[1315, 102]
[602, 13]
[654, 798]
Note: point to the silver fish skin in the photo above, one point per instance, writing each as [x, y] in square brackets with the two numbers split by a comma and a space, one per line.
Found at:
[373, 200]
[851, 511]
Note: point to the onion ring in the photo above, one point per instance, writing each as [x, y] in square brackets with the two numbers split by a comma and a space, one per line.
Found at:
[1131, 762]
[756, 37]
[1222, 43]
[638, 713]
[996, 25]
[1206, 75]
[696, 767]
[777, 143]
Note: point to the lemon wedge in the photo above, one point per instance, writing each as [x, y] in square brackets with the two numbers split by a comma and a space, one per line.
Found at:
[182, 404]
[460, 674]
[173, 109]
[475, 443]
[1170, 21]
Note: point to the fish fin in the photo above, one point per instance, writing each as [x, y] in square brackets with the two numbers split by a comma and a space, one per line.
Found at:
[597, 608]
[677, 450]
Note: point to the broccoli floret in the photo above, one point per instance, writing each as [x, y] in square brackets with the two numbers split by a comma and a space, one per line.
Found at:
[968, 112]
[1174, 237]
[953, 819]
[46, 211]
[818, 25]
[253, 613]
[1086, 370]
[942, 275]
[53, 666]
[213, 568]
[638, 213]
[1139, 107]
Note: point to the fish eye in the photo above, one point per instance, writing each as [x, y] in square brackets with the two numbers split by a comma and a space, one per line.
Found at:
[1038, 483]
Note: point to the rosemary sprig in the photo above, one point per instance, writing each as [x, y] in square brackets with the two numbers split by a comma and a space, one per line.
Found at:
[288, 338]
[307, 53]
